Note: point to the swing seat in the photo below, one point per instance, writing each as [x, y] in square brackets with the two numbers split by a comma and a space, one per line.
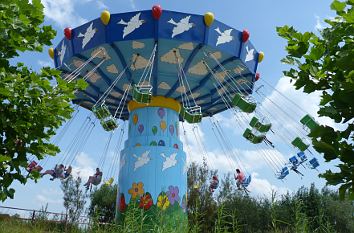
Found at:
[142, 93]
[251, 137]
[245, 105]
[192, 114]
[256, 124]
[101, 111]
[109, 124]
[283, 173]
[309, 122]
[297, 142]
[246, 182]
[38, 168]
[31, 165]
[313, 163]
[302, 156]
[294, 161]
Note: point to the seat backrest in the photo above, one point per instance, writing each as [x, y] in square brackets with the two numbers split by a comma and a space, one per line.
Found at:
[314, 163]
[294, 160]
[247, 181]
[302, 156]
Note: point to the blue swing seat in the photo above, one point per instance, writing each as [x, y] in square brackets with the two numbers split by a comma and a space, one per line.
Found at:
[283, 173]
[294, 161]
[313, 163]
[302, 156]
[246, 182]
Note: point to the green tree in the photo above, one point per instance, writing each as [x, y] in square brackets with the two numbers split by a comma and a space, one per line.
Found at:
[103, 203]
[31, 108]
[325, 63]
[74, 198]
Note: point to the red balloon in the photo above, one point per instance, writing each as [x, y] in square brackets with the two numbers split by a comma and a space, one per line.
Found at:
[258, 76]
[245, 35]
[156, 12]
[67, 33]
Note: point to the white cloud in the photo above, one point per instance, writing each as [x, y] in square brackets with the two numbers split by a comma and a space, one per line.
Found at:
[132, 4]
[63, 12]
[262, 187]
[45, 63]
[287, 120]
[101, 5]
[84, 166]
[49, 196]
[319, 26]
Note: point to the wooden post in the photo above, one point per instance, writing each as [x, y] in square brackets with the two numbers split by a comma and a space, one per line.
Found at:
[33, 216]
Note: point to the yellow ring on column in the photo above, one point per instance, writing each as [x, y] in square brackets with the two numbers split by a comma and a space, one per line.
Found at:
[156, 101]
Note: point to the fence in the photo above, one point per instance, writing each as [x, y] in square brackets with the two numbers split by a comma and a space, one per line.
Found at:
[35, 215]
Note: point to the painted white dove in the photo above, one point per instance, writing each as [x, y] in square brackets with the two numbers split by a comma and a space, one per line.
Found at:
[122, 162]
[182, 26]
[170, 161]
[249, 55]
[134, 23]
[90, 32]
[62, 51]
[224, 37]
[142, 160]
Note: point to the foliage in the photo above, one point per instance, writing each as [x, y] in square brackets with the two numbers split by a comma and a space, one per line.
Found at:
[74, 199]
[325, 63]
[31, 108]
[103, 203]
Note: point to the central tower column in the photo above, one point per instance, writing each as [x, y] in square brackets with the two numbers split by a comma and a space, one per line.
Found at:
[153, 172]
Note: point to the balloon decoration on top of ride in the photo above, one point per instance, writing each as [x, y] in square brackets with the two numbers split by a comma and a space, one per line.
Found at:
[150, 68]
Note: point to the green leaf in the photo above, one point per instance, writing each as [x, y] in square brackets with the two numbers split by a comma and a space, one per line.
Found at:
[4, 158]
[338, 6]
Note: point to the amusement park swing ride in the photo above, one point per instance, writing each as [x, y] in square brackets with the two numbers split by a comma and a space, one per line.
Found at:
[155, 70]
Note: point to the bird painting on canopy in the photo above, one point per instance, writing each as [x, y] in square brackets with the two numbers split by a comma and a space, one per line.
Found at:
[134, 23]
[224, 37]
[182, 26]
[88, 35]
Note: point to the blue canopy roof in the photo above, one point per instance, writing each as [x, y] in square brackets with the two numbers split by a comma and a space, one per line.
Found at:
[186, 35]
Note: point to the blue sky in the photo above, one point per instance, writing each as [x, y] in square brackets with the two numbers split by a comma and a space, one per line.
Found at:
[260, 18]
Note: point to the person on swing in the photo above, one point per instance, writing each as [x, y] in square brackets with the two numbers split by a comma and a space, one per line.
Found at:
[239, 177]
[214, 184]
[57, 172]
[94, 180]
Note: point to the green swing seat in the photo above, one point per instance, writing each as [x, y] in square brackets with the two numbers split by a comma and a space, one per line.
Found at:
[101, 111]
[109, 124]
[244, 105]
[256, 124]
[297, 142]
[142, 93]
[252, 137]
[309, 122]
[192, 114]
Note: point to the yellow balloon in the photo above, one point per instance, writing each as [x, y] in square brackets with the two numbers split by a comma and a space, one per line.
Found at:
[51, 53]
[163, 125]
[208, 18]
[105, 17]
[135, 119]
[260, 57]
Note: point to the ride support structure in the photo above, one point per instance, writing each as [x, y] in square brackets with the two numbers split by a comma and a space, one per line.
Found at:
[153, 164]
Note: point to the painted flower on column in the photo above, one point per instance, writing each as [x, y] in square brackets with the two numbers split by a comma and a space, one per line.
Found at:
[145, 201]
[136, 190]
[172, 194]
[162, 201]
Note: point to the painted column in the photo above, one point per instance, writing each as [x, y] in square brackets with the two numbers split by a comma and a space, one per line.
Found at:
[153, 171]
